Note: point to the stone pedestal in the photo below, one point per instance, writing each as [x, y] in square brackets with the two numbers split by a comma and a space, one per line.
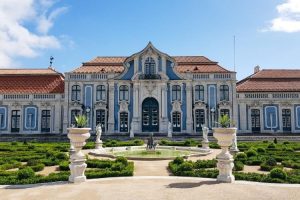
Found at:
[225, 159]
[205, 144]
[77, 137]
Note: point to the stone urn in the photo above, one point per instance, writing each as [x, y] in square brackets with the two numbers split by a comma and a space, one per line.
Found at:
[77, 137]
[225, 159]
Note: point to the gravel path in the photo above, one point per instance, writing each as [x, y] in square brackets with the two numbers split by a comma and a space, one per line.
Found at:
[147, 188]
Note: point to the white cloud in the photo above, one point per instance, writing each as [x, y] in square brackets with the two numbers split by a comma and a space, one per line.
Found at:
[288, 19]
[16, 40]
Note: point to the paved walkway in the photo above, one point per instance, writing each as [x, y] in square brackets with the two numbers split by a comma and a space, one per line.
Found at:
[146, 188]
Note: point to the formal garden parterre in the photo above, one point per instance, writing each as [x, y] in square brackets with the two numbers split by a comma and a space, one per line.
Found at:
[21, 162]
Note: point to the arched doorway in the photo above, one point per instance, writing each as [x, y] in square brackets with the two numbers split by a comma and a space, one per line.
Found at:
[150, 115]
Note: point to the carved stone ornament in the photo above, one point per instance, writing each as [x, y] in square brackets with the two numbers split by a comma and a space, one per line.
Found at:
[200, 104]
[45, 104]
[100, 104]
[123, 106]
[75, 103]
[224, 103]
[255, 104]
[150, 87]
[16, 104]
[176, 106]
[30, 103]
[283, 104]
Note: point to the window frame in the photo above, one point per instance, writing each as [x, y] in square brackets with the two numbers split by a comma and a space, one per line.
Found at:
[46, 116]
[124, 93]
[176, 93]
[124, 115]
[149, 66]
[75, 93]
[199, 93]
[224, 93]
[100, 93]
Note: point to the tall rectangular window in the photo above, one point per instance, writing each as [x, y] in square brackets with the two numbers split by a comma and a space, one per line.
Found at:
[225, 112]
[176, 119]
[200, 119]
[100, 93]
[176, 93]
[100, 118]
[199, 93]
[15, 120]
[224, 93]
[124, 93]
[123, 122]
[75, 95]
[45, 126]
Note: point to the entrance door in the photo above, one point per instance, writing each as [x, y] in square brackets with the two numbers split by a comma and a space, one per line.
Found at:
[255, 120]
[176, 118]
[45, 122]
[150, 115]
[286, 120]
[100, 118]
[200, 119]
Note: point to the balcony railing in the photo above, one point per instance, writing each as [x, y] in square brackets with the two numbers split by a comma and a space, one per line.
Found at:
[149, 76]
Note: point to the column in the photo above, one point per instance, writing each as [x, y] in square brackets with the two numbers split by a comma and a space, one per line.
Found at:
[111, 94]
[189, 102]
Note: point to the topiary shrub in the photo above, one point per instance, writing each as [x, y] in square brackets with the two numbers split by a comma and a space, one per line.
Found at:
[64, 166]
[178, 160]
[238, 166]
[31, 147]
[275, 141]
[286, 142]
[271, 146]
[38, 167]
[265, 141]
[122, 160]
[25, 173]
[117, 166]
[186, 166]
[251, 152]
[199, 164]
[61, 156]
[278, 173]
[261, 150]
[271, 161]
[269, 164]
[14, 143]
[241, 156]
[33, 162]
[164, 142]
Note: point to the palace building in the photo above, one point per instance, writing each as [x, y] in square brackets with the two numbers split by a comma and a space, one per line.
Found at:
[145, 92]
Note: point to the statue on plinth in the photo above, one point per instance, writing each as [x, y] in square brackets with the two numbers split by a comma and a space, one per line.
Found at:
[205, 142]
[169, 129]
[131, 131]
[98, 143]
[150, 144]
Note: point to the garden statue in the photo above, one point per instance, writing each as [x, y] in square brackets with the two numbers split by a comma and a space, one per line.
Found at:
[150, 144]
[169, 129]
[234, 149]
[98, 143]
[205, 142]
[131, 131]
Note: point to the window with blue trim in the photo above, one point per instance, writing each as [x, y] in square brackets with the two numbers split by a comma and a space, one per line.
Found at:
[224, 93]
[176, 93]
[2, 125]
[2, 117]
[199, 93]
[124, 93]
[75, 95]
[100, 93]
[149, 66]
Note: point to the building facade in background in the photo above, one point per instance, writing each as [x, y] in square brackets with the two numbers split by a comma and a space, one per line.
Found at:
[148, 92]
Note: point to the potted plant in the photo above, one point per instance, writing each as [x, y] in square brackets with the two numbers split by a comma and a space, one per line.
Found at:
[225, 134]
[78, 135]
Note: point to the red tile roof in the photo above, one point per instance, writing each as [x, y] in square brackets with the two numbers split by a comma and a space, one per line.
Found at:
[31, 81]
[280, 80]
[194, 64]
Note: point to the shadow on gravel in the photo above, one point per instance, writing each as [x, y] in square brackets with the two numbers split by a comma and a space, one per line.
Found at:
[191, 185]
[34, 185]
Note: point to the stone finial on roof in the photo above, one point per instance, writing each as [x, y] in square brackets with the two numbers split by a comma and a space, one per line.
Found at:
[256, 69]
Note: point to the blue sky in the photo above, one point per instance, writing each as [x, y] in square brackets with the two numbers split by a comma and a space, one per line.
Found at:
[267, 32]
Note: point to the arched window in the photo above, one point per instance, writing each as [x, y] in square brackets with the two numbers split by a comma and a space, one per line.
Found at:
[224, 93]
[149, 66]
[101, 93]
[75, 96]
[124, 93]
[199, 93]
[176, 92]
[123, 122]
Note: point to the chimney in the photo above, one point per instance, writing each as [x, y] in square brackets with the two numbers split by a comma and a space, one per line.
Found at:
[256, 69]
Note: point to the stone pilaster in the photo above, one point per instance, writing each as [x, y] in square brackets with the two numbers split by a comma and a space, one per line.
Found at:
[189, 102]
[111, 101]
